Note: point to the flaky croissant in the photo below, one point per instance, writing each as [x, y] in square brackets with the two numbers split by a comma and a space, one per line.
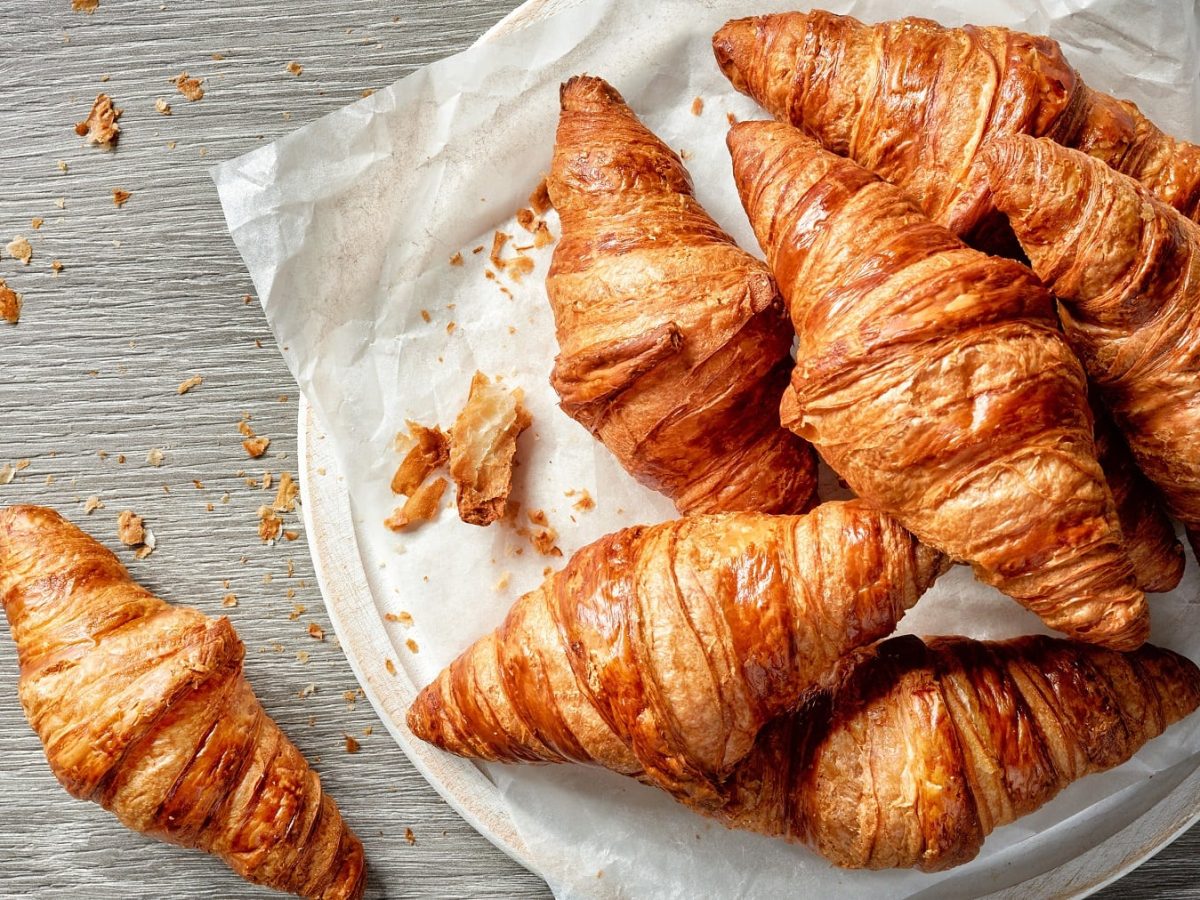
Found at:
[674, 346]
[920, 752]
[1126, 270]
[934, 380]
[143, 708]
[916, 102]
[659, 652]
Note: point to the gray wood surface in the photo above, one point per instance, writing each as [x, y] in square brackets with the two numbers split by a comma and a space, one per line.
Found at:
[150, 294]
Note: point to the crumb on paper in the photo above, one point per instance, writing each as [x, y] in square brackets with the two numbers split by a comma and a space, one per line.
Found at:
[155, 457]
[162, 106]
[429, 452]
[426, 316]
[36, 223]
[10, 304]
[256, 446]
[421, 506]
[269, 524]
[352, 745]
[483, 444]
[401, 618]
[390, 666]
[91, 504]
[189, 383]
[295, 68]
[503, 581]
[456, 259]
[499, 239]
[412, 646]
[100, 127]
[585, 501]
[316, 632]
[540, 198]
[190, 87]
[450, 326]
[229, 600]
[409, 836]
[526, 218]
[120, 197]
[731, 118]
[285, 496]
[87, 6]
[18, 248]
[685, 155]
[697, 106]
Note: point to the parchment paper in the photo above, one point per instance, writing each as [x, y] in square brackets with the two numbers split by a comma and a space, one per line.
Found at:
[347, 227]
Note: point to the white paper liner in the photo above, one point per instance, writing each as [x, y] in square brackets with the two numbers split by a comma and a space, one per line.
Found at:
[347, 227]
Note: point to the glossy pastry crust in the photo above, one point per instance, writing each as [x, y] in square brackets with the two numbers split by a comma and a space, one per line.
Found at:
[143, 708]
[659, 652]
[674, 346]
[934, 380]
[1126, 270]
[916, 102]
[920, 751]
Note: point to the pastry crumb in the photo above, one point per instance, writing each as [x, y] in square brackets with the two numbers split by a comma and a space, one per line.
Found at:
[87, 6]
[430, 451]
[697, 106]
[229, 600]
[120, 197]
[303, 656]
[100, 127]
[409, 836]
[456, 259]
[421, 506]
[483, 445]
[256, 446]
[731, 118]
[539, 200]
[155, 457]
[56, 266]
[36, 223]
[191, 88]
[503, 581]
[91, 504]
[402, 618]
[307, 691]
[390, 666]
[285, 496]
[190, 383]
[18, 248]
[10, 304]
[316, 632]
[269, 524]
[295, 68]
[412, 646]
[162, 106]
[130, 529]
[7, 473]
[526, 219]
[585, 501]
[352, 745]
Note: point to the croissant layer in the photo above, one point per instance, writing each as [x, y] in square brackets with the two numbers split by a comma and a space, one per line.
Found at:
[916, 102]
[921, 750]
[934, 380]
[143, 708]
[1126, 269]
[659, 652]
[674, 346]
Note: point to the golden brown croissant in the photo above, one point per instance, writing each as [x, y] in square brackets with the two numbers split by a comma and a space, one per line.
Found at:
[920, 752]
[1149, 536]
[1126, 269]
[143, 708]
[915, 102]
[934, 380]
[659, 652]
[674, 344]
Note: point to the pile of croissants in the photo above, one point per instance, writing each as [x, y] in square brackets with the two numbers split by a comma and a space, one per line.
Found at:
[1038, 425]
[1032, 423]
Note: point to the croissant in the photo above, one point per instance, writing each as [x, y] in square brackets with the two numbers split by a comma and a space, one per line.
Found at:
[915, 103]
[1126, 269]
[1150, 541]
[659, 652]
[674, 344]
[933, 379]
[143, 708]
[921, 751]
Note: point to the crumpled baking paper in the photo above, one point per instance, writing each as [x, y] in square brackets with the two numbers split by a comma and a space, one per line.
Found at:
[347, 227]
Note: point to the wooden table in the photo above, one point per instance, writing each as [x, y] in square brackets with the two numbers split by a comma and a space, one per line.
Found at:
[150, 294]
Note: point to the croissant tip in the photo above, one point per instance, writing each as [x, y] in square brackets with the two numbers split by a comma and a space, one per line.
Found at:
[588, 91]
[731, 44]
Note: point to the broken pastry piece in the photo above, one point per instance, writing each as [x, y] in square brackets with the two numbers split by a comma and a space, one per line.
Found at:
[429, 452]
[483, 443]
[100, 127]
[421, 506]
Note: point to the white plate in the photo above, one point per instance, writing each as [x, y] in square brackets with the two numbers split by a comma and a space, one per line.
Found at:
[359, 624]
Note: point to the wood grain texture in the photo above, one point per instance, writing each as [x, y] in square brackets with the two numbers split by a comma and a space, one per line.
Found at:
[150, 294]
